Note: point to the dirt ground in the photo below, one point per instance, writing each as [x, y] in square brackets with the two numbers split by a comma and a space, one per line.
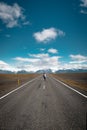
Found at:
[9, 82]
[78, 80]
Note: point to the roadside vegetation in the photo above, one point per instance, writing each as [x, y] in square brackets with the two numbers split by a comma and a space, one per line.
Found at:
[78, 80]
[9, 82]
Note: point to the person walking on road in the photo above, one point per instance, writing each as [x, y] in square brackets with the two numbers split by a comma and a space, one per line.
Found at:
[44, 76]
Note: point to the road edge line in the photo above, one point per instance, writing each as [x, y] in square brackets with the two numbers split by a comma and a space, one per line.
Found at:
[17, 88]
[70, 87]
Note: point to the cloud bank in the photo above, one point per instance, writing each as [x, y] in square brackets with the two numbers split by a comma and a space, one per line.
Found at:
[43, 61]
[6, 66]
[78, 58]
[39, 61]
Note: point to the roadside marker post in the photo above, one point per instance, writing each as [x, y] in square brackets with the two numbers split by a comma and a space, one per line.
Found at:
[18, 82]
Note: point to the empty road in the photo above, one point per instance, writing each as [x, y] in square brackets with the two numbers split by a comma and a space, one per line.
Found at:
[43, 105]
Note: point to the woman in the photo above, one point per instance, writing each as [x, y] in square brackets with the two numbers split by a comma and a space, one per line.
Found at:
[44, 76]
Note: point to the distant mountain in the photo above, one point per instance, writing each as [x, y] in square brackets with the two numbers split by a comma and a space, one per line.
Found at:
[44, 71]
[62, 71]
[24, 72]
[71, 71]
[6, 72]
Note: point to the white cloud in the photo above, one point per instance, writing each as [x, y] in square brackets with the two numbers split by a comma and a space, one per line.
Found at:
[21, 59]
[42, 49]
[83, 6]
[26, 23]
[84, 3]
[11, 15]
[3, 63]
[6, 66]
[78, 58]
[41, 55]
[83, 12]
[47, 35]
[73, 66]
[52, 50]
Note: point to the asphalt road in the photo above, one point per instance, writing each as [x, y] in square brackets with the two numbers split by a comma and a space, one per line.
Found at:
[43, 105]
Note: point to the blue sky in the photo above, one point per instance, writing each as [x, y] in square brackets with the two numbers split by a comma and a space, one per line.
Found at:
[39, 34]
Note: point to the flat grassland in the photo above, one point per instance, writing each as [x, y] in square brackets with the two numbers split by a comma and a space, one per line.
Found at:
[76, 80]
[9, 82]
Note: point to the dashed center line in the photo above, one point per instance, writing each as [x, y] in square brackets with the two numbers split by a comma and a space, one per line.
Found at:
[44, 86]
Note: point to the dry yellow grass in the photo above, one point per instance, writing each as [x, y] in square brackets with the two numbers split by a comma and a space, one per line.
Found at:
[9, 82]
[78, 80]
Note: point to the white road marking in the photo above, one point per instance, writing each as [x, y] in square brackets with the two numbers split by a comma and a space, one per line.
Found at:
[70, 88]
[17, 88]
[44, 86]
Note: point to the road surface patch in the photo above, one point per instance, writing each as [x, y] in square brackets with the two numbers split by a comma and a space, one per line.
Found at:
[44, 86]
